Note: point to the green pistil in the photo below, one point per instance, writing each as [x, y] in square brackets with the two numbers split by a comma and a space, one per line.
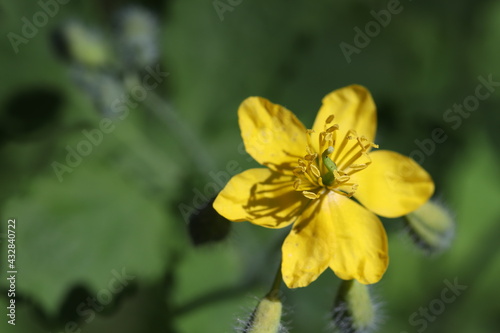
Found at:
[328, 177]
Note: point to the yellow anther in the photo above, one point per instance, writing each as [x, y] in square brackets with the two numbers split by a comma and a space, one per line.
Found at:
[340, 177]
[358, 166]
[354, 187]
[310, 195]
[320, 182]
[315, 170]
[309, 150]
[298, 171]
[332, 128]
[311, 157]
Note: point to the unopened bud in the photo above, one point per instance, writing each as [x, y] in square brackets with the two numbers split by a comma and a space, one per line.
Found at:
[85, 46]
[266, 318]
[354, 310]
[138, 37]
[431, 227]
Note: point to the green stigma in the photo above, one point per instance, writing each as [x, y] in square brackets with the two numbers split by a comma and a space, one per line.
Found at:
[328, 178]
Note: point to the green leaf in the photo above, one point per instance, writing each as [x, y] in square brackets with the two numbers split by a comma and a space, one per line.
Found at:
[84, 230]
[207, 288]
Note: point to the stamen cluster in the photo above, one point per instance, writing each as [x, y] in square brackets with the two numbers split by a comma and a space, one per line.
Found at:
[332, 171]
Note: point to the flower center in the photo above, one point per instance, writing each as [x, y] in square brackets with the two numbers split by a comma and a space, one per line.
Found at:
[340, 158]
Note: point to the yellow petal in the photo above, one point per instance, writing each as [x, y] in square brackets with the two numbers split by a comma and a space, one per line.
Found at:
[393, 185]
[272, 135]
[337, 232]
[261, 196]
[353, 109]
[359, 246]
[306, 250]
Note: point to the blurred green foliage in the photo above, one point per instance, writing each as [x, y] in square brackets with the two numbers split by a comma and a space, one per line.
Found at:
[119, 208]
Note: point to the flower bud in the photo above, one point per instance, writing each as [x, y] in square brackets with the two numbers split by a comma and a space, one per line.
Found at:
[354, 310]
[85, 46]
[431, 227]
[137, 37]
[266, 318]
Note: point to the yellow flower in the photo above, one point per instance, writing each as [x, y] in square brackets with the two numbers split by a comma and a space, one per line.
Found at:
[310, 178]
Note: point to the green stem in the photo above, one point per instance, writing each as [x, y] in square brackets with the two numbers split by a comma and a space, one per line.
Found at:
[275, 289]
[165, 112]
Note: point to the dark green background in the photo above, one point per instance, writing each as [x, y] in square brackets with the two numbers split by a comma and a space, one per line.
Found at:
[120, 207]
